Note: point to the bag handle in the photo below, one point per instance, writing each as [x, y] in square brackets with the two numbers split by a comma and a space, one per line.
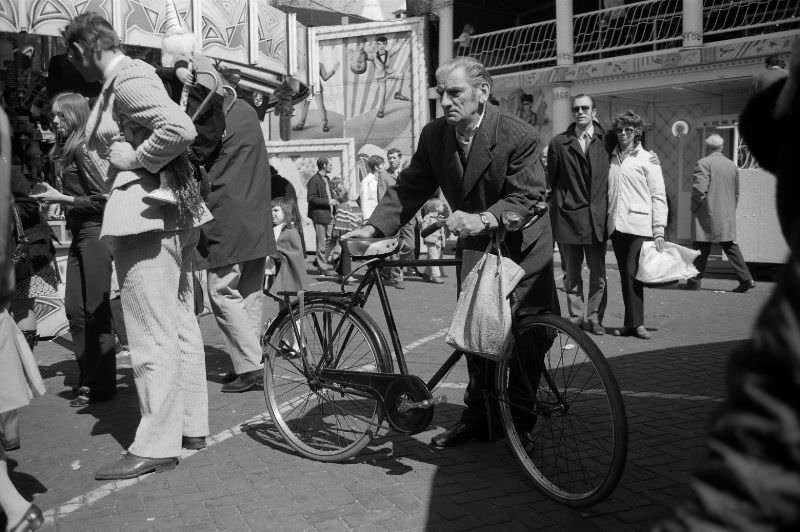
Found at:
[21, 239]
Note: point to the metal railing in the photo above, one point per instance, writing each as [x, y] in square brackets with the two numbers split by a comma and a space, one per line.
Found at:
[631, 28]
[533, 46]
[727, 19]
[648, 25]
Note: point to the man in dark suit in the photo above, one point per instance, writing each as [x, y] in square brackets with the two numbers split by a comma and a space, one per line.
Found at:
[486, 162]
[577, 170]
[236, 242]
[321, 205]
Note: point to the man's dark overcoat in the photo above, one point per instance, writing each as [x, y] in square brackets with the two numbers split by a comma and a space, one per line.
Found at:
[503, 173]
[239, 196]
[579, 183]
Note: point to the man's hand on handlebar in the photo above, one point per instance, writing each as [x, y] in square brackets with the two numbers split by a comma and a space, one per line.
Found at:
[366, 231]
[464, 223]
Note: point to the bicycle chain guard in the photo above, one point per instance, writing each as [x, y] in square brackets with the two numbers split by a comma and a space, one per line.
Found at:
[396, 392]
[400, 394]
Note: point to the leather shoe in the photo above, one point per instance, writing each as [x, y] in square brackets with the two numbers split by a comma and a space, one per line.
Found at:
[641, 333]
[229, 377]
[31, 520]
[594, 328]
[744, 286]
[242, 383]
[132, 466]
[10, 445]
[693, 284]
[460, 433]
[194, 443]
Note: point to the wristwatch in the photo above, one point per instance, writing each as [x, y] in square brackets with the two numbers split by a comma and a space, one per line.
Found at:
[485, 220]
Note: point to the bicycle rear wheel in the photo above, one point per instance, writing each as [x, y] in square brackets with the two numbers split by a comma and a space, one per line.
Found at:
[319, 422]
[564, 419]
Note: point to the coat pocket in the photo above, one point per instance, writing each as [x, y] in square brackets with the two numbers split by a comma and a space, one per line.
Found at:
[639, 208]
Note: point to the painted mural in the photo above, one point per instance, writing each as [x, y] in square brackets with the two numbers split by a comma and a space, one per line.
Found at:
[363, 92]
[368, 85]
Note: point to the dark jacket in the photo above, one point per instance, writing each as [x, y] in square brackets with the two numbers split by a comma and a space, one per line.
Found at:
[503, 173]
[34, 226]
[239, 196]
[579, 183]
[291, 268]
[319, 207]
[89, 199]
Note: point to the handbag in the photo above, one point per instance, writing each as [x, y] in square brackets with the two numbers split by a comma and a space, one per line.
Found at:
[482, 319]
[20, 258]
[672, 264]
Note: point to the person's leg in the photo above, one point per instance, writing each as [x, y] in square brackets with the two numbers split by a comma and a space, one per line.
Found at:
[737, 261]
[381, 96]
[398, 95]
[149, 269]
[572, 257]
[14, 505]
[323, 112]
[435, 253]
[74, 307]
[229, 304]
[9, 430]
[190, 341]
[303, 115]
[634, 311]
[322, 232]
[702, 260]
[100, 364]
[621, 245]
[25, 317]
[598, 295]
[119, 322]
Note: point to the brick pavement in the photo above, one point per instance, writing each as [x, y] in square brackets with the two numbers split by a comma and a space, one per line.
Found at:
[248, 480]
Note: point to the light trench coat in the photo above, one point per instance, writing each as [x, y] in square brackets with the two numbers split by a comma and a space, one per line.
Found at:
[715, 194]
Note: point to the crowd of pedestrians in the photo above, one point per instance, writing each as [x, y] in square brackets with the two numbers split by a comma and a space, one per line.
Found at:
[601, 185]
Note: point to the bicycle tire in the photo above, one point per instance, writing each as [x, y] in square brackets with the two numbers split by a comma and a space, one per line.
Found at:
[575, 449]
[318, 422]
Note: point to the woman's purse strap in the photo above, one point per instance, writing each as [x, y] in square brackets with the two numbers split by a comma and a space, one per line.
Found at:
[21, 238]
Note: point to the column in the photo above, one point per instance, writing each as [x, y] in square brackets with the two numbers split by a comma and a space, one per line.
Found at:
[444, 11]
[692, 23]
[564, 38]
[562, 108]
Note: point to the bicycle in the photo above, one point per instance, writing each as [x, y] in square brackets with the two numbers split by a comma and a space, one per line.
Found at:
[329, 382]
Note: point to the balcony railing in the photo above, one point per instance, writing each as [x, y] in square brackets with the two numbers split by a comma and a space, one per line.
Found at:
[532, 46]
[632, 28]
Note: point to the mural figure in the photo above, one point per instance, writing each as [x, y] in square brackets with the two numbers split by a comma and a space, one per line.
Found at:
[383, 60]
[324, 75]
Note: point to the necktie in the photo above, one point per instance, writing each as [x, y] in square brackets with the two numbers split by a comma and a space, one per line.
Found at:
[586, 140]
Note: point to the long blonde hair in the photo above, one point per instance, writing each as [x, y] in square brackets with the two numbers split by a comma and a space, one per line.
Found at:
[74, 110]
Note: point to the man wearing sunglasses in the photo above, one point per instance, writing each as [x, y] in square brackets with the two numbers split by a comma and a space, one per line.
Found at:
[577, 174]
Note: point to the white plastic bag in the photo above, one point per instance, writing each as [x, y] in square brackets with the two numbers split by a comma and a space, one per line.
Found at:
[482, 319]
[673, 263]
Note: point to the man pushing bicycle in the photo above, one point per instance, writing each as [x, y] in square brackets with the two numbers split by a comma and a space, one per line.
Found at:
[486, 162]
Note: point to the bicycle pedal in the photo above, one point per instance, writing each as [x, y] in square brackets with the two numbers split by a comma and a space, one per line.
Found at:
[426, 403]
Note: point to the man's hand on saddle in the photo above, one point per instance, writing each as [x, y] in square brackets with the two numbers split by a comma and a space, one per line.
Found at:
[365, 231]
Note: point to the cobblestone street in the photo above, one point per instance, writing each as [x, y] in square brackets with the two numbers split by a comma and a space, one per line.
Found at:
[247, 479]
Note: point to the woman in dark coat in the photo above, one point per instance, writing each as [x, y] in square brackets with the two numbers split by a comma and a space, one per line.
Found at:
[89, 261]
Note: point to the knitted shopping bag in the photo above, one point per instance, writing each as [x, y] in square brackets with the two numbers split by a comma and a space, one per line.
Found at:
[482, 319]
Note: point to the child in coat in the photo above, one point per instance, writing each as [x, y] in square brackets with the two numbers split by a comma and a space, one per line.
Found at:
[348, 217]
[286, 270]
[433, 214]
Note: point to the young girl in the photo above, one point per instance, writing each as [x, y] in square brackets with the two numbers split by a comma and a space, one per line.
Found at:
[432, 214]
[286, 269]
[348, 217]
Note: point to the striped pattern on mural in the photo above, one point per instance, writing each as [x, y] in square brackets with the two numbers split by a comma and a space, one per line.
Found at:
[361, 90]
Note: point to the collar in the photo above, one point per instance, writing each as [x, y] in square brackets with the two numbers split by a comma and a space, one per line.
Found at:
[112, 66]
[589, 129]
[467, 139]
[633, 151]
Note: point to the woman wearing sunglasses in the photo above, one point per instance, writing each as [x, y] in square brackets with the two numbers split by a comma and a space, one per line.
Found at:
[637, 211]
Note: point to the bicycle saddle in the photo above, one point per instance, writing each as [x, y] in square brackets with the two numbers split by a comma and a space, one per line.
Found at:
[372, 247]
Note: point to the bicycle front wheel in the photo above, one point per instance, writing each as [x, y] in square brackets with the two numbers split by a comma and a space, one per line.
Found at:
[564, 416]
[321, 422]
